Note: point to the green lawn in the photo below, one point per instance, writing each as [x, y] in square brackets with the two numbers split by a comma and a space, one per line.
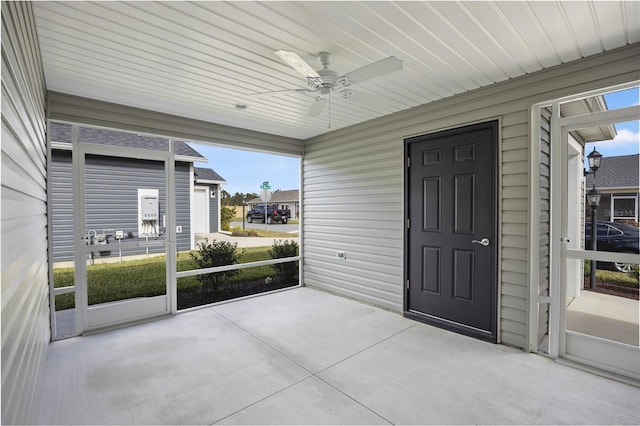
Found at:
[144, 278]
[613, 277]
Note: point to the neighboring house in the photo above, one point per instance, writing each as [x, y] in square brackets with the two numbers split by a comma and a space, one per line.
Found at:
[618, 180]
[287, 199]
[115, 186]
[206, 201]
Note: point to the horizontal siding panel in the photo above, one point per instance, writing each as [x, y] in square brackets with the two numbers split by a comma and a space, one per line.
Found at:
[515, 130]
[376, 286]
[15, 203]
[513, 339]
[515, 254]
[509, 289]
[380, 253]
[386, 185]
[365, 293]
[365, 201]
[514, 191]
[521, 179]
[353, 169]
[513, 277]
[368, 192]
[513, 241]
[515, 167]
[514, 327]
[516, 155]
[355, 241]
[27, 158]
[355, 272]
[360, 211]
[514, 303]
[519, 229]
[358, 229]
[515, 266]
[341, 155]
[513, 313]
[13, 176]
[521, 204]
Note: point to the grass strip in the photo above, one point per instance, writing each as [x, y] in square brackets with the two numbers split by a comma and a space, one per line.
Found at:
[109, 282]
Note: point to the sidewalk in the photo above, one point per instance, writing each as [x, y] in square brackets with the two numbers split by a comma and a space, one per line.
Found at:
[244, 241]
[605, 316]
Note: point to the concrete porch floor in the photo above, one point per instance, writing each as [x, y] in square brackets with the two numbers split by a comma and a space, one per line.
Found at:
[302, 356]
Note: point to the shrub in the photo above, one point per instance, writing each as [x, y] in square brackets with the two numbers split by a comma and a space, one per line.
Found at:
[226, 216]
[280, 249]
[216, 253]
[236, 231]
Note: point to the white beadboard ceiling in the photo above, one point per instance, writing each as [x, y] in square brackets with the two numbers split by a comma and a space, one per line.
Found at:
[199, 59]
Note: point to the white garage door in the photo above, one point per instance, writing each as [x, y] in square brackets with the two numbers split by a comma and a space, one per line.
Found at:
[200, 210]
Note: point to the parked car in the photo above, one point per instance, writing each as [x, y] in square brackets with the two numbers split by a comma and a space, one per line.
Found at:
[617, 237]
[273, 214]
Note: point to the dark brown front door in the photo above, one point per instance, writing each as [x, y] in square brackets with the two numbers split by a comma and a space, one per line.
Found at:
[451, 237]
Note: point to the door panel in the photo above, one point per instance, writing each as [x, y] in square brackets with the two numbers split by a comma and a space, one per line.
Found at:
[451, 208]
[123, 209]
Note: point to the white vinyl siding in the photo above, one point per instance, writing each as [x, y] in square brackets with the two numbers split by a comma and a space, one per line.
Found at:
[544, 242]
[351, 205]
[112, 190]
[353, 187]
[89, 111]
[25, 289]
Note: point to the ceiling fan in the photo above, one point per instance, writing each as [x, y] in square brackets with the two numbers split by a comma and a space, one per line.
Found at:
[324, 82]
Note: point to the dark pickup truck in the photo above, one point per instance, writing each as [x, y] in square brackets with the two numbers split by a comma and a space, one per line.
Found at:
[273, 214]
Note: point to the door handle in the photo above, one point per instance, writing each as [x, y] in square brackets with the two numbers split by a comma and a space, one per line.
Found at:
[485, 242]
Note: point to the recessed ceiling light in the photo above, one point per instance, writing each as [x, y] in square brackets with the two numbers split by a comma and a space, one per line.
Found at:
[241, 107]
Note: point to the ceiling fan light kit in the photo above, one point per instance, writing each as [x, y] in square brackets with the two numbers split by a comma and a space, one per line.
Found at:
[325, 81]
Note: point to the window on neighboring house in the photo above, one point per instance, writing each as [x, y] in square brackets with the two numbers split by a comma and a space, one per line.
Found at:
[624, 207]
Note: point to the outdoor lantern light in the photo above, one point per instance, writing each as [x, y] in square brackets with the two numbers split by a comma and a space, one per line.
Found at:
[594, 161]
[593, 196]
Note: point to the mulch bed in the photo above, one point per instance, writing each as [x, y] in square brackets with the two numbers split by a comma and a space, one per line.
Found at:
[190, 298]
[620, 290]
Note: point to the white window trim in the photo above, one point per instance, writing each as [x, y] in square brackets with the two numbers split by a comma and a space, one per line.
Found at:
[623, 197]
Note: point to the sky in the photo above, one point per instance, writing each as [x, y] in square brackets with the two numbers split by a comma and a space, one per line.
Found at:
[245, 171]
[627, 141]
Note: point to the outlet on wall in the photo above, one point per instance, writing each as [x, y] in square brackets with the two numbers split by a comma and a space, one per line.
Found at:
[341, 254]
[178, 229]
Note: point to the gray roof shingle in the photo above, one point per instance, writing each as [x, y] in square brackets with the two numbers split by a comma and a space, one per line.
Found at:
[62, 133]
[617, 172]
[280, 196]
[207, 174]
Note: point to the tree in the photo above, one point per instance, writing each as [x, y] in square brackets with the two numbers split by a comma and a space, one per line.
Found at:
[226, 216]
[225, 198]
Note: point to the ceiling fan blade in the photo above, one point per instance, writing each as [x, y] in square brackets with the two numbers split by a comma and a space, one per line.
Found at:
[364, 98]
[297, 63]
[376, 69]
[316, 107]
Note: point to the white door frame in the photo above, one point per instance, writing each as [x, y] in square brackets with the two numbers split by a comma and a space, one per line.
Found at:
[110, 314]
[589, 350]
